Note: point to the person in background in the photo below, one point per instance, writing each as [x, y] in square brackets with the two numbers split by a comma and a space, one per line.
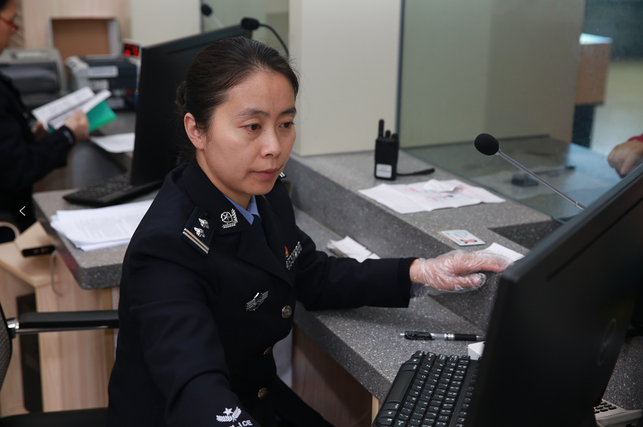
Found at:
[626, 156]
[27, 153]
[212, 275]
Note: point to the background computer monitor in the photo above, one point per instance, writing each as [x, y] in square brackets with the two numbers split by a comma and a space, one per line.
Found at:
[560, 318]
[163, 68]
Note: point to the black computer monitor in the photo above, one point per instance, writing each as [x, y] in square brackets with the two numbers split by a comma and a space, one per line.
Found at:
[163, 68]
[560, 318]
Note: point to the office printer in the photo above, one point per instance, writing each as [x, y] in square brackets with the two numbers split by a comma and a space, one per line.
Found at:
[36, 73]
[115, 73]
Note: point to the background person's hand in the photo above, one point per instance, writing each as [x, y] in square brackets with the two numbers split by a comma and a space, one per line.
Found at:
[626, 157]
[457, 271]
[39, 131]
[79, 125]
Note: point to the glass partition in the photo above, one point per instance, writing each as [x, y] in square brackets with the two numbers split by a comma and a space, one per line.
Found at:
[528, 73]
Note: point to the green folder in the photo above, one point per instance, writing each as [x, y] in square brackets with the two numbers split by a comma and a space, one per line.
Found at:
[100, 115]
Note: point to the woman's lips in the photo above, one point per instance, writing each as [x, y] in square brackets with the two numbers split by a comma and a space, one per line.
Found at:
[267, 173]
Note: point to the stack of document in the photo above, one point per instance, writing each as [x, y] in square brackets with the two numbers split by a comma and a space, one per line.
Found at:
[349, 248]
[90, 229]
[428, 196]
[54, 114]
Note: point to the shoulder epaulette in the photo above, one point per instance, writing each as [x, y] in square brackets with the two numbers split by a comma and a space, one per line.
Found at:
[198, 231]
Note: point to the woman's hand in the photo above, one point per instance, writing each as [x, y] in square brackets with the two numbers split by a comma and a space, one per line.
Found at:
[79, 125]
[457, 271]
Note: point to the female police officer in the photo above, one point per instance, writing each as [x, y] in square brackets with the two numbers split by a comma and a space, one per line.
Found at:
[208, 288]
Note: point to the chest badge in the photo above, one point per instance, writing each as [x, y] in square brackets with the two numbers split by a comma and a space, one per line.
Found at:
[290, 260]
[229, 219]
[254, 303]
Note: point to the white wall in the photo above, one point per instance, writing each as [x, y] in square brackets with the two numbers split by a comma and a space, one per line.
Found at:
[347, 54]
[156, 21]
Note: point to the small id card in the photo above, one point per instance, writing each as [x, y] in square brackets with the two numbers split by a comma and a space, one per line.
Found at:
[462, 237]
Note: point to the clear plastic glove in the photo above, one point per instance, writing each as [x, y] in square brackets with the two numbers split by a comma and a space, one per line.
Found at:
[455, 271]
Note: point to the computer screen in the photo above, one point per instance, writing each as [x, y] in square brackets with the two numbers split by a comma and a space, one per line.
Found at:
[560, 318]
[163, 68]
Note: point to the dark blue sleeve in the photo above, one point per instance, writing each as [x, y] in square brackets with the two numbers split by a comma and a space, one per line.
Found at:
[23, 159]
[328, 282]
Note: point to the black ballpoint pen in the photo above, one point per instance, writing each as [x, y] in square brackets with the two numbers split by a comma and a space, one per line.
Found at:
[428, 336]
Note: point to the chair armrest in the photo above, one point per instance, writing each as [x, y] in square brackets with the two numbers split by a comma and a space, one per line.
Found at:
[33, 323]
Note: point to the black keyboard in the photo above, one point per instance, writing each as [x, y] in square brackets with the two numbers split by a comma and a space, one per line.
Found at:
[430, 390]
[110, 192]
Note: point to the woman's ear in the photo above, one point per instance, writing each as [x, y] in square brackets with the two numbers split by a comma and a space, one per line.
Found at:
[197, 138]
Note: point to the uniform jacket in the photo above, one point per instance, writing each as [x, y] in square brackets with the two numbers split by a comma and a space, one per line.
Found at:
[204, 298]
[23, 159]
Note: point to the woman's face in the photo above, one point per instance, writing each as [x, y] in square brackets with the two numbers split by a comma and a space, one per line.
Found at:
[250, 136]
[7, 13]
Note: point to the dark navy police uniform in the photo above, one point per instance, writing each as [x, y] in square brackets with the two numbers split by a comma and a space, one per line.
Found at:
[204, 298]
[23, 159]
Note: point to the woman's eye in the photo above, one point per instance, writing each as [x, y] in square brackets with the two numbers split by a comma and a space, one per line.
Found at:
[288, 124]
[252, 127]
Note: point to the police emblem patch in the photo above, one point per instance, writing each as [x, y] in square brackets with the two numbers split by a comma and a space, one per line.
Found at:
[229, 219]
[229, 415]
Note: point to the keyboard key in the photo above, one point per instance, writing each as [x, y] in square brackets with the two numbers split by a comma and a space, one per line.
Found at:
[385, 421]
[400, 385]
[391, 406]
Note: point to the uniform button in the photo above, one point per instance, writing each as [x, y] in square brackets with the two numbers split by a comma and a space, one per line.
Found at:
[262, 393]
[268, 351]
[286, 312]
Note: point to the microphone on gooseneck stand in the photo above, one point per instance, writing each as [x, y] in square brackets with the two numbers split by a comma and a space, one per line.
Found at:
[252, 24]
[488, 145]
[207, 11]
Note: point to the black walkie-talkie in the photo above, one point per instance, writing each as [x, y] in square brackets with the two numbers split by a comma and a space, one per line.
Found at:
[387, 147]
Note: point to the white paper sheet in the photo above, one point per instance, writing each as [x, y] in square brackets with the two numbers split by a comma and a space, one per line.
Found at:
[501, 250]
[349, 248]
[120, 143]
[429, 196]
[90, 229]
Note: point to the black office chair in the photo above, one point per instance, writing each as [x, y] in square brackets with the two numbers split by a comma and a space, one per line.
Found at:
[8, 231]
[33, 323]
